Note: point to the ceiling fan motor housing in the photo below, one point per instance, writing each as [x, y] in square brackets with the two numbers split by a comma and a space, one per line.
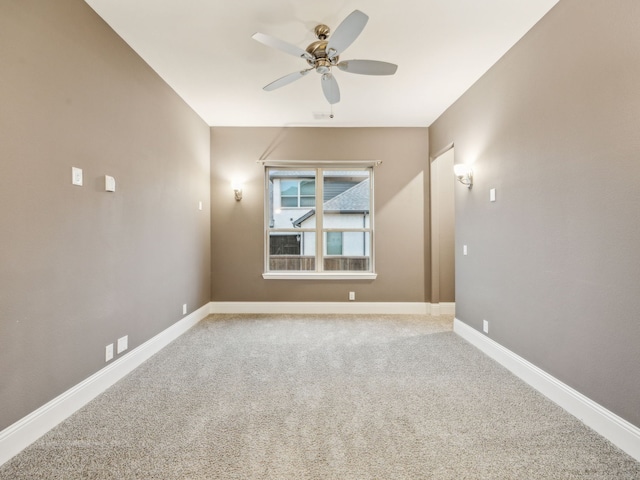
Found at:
[322, 62]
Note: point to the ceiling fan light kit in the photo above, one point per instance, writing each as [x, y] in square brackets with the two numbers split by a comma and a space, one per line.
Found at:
[324, 54]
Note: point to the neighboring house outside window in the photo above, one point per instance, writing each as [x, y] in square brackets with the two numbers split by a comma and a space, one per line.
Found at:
[304, 235]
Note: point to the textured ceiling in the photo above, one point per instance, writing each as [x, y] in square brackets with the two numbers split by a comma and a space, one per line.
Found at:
[203, 49]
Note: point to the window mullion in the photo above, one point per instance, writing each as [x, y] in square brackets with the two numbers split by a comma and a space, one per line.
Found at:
[319, 220]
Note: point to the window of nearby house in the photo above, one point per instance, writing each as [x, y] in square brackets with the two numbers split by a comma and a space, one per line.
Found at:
[297, 193]
[319, 221]
[334, 243]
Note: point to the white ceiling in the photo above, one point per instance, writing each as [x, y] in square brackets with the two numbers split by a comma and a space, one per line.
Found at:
[203, 49]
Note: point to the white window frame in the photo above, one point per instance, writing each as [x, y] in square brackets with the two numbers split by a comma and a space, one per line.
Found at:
[319, 273]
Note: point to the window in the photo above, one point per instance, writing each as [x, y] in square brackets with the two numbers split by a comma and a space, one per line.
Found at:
[297, 193]
[334, 243]
[319, 222]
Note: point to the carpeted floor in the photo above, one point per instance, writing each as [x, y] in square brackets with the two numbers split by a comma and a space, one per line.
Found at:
[321, 397]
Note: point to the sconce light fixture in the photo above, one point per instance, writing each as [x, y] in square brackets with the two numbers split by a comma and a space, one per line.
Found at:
[464, 174]
[237, 190]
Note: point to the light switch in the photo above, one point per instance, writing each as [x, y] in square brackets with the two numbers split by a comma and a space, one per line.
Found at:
[109, 183]
[464, 249]
[76, 176]
[492, 195]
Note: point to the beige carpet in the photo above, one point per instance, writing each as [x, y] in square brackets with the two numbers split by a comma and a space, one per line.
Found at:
[321, 397]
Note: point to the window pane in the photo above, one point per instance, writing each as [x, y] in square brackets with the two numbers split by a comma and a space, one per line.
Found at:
[308, 187]
[284, 244]
[289, 201]
[289, 187]
[346, 199]
[286, 207]
[355, 252]
[289, 252]
[307, 201]
[334, 243]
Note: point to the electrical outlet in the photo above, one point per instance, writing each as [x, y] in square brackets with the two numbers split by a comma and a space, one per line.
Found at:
[184, 308]
[123, 343]
[108, 354]
[352, 295]
[485, 326]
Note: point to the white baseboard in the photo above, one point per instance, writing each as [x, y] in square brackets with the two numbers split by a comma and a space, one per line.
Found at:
[618, 431]
[410, 308]
[443, 308]
[25, 431]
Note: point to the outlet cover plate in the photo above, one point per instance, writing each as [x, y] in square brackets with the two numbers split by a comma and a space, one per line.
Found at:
[76, 176]
[108, 352]
[109, 183]
[123, 343]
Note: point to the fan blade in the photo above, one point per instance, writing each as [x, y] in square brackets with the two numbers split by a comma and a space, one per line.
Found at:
[367, 67]
[346, 33]
[281, 45]
[286, 80]
[330, 88]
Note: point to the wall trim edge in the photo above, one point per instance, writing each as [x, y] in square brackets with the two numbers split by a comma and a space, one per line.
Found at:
[617, 430]
[27, 430]
[409, 308]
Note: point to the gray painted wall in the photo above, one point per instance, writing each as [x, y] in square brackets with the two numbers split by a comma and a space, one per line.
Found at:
[401, 211]
[554, 264]
[80, 267]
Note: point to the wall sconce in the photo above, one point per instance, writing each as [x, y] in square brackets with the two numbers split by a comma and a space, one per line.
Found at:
[464, 174]
[237, 191]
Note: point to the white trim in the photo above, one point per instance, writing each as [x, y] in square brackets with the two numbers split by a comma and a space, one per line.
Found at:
[443, 308]
[25, 431]
[318, 276]
[406, 308]
[618, 431]
[442, 151]
[322, 163]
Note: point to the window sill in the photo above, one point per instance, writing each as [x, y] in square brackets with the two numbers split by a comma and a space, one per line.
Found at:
[319, 276]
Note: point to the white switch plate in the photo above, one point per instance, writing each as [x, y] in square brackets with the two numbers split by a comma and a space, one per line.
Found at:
[199, 205]
[485, 326]
[123, 343]
[492, 195]
[108, 353]
[76, 176]
[352, 295]
[464, 249]
[109, 183]
[184, 308]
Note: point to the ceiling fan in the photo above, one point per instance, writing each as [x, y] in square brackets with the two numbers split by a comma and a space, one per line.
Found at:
[323, 54]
